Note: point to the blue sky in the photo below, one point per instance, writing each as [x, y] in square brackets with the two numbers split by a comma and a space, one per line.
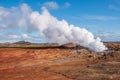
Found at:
[101, 17]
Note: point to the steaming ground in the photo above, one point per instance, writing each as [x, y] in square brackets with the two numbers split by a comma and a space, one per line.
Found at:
[23, 18]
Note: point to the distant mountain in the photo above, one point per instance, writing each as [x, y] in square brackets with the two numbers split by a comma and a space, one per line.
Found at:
[22, 42]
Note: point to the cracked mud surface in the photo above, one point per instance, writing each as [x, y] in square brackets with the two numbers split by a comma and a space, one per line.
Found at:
[60, 64]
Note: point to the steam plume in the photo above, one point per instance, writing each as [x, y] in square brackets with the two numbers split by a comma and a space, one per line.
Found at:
[56, 31]
[50, 28]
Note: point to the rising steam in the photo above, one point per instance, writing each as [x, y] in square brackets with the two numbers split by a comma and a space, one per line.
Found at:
[54, 30]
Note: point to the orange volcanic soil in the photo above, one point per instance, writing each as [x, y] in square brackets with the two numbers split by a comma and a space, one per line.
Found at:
[60, 63]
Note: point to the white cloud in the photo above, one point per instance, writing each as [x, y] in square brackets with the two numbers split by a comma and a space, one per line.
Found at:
[54, 5]
[18, 16]
[25, 36]
[14, 22]
[108, 36]
[113, 7]
[51, 5]
[67, 4]
[13, 36]
[100, 17]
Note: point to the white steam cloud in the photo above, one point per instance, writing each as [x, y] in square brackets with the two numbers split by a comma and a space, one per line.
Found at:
[52, 29]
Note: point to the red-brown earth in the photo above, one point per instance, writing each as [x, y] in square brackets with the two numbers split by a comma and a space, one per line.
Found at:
[60, 63]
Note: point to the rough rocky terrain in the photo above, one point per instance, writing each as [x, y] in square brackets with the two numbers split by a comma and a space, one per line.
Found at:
[68, 62]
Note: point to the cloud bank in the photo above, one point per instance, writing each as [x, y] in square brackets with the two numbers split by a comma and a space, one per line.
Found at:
[50, 28]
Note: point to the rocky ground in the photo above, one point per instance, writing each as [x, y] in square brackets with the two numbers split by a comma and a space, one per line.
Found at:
[66, 62]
